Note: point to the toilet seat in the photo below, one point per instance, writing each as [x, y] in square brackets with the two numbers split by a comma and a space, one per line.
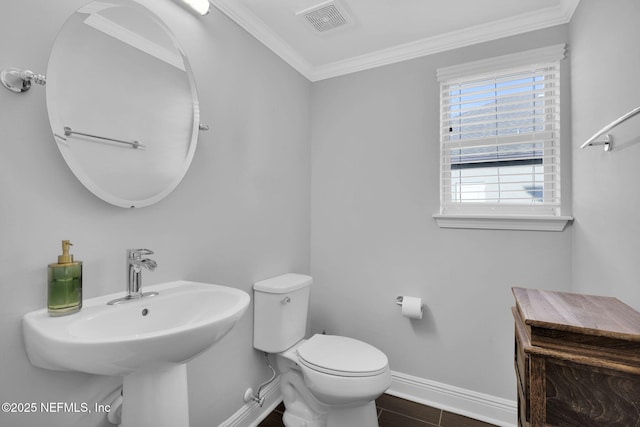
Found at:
[342, 356]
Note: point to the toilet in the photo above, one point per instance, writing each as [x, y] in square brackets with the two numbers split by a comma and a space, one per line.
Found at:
[326, 380]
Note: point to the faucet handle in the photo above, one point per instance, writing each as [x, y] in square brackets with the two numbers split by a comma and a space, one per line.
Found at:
[138, 253]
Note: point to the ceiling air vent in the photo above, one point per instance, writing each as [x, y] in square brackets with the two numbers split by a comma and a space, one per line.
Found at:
[326, 16]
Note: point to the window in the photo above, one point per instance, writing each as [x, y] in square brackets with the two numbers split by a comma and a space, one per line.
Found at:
[500, 140]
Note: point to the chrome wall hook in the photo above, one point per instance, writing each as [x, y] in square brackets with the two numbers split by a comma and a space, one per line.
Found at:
[17, 80]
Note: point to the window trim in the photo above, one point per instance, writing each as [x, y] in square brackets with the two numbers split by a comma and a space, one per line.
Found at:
[504, 222]
[502, 219]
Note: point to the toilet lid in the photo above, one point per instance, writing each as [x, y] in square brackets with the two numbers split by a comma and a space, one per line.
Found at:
[342, 356]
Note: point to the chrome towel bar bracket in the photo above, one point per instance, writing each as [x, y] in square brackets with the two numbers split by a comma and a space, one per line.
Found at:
[608, 139]
[17, 80]
[607, 142]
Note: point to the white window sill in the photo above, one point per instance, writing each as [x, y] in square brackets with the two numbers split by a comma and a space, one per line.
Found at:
[503, 222]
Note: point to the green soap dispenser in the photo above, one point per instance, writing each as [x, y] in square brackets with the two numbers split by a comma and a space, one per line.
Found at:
[64, 293]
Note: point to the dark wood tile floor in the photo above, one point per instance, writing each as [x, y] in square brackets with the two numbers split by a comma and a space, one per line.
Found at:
[396, 412]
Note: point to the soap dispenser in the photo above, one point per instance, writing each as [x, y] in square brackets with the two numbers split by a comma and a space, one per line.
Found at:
[64, 293]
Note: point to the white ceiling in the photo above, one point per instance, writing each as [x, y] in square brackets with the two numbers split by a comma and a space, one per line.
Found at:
[387, 31]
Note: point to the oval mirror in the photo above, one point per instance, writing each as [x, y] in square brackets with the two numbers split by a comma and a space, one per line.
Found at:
[122, 103]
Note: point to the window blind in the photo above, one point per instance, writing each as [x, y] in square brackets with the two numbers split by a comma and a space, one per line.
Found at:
[500, 140]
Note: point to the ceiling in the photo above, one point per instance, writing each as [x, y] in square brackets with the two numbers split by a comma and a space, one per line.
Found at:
[380, 32]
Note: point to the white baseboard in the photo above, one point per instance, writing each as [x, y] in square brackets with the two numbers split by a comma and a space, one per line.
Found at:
[483, 407]
[251, 414]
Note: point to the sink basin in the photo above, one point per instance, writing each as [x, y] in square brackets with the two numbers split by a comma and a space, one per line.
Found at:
[168, 329]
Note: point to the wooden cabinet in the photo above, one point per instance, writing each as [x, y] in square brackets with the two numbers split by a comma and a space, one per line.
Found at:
[577, 360]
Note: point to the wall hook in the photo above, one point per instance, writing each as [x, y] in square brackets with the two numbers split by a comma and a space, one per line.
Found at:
[17, 80]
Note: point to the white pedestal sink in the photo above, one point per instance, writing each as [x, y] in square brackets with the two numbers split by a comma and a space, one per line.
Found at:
[147, 341]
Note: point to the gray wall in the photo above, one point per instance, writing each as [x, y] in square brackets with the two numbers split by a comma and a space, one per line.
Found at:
[375, 187]
[240, 215]
[606, 66]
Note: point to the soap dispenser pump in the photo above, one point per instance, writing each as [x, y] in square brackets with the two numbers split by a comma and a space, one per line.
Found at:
[64, 293]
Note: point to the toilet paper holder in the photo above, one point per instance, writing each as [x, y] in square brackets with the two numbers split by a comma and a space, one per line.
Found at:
[400, 300]
[412, 311]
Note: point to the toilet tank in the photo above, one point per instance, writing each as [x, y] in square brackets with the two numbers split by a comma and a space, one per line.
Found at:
[280, 311]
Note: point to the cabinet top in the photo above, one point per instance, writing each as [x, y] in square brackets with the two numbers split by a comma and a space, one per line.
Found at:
[583, 314]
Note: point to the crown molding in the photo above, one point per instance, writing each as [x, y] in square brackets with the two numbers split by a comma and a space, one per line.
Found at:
[258, 29]
[543, 18]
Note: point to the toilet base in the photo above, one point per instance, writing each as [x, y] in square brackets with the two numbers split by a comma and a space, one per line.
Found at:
[361, 416]
[289, 419]
[302, 409]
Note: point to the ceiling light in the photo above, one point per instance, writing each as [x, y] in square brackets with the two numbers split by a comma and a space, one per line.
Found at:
[201, 6]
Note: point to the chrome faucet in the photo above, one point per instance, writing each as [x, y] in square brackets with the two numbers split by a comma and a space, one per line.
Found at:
[135, 262]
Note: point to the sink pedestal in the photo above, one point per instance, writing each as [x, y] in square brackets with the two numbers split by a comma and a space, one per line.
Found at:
[156, 398]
